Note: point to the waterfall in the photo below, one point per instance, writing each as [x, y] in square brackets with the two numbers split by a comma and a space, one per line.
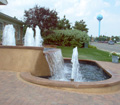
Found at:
[56, 64]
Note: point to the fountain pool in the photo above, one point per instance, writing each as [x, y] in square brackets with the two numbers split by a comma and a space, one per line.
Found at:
[110, 83]
[89, 71]
[74, 69]
[37, 67]
[32, 65]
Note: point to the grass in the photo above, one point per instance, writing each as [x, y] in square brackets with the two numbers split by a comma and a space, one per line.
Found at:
[87, 53]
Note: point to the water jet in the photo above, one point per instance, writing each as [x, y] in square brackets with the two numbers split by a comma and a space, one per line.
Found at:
[38, 38]
[8, 38]
[29, 38]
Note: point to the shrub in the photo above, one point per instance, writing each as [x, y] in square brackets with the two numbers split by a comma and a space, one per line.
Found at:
[67, 38]
[91, 46]
[114, 53]
[47, 33]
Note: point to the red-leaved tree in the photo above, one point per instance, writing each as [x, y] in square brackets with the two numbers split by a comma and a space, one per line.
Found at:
[45, 18]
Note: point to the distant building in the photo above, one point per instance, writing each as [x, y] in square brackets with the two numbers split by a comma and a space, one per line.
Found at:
[18, 25]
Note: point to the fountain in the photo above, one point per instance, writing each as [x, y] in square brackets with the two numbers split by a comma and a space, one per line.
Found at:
[9, 36]
[29, 38]
[22, 58]
[38, 38]
[56, 65]
[64, 70]
[60, 70]
[51, 65]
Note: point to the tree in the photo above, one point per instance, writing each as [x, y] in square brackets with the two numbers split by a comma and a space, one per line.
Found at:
[63, 23]
[46, 19]
[115, 38]
[102, 38]
[80, 25]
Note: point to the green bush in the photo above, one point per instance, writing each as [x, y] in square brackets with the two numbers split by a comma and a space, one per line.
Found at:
[91, 46]
[47, 33]
[83, 36]
[67, 38]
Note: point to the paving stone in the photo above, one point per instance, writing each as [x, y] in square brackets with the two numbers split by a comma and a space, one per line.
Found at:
[14, 91]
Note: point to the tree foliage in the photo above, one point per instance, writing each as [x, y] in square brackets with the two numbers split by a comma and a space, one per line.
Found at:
[80, 25]
[63, 23]
[107, 38]
[102, 38]
[45, 18]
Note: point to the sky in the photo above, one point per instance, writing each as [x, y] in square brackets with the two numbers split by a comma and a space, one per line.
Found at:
[74, 10]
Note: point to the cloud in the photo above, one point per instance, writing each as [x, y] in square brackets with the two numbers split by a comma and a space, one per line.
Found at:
[106, 4]
[75, 10]
[117, 3]
[79, 8]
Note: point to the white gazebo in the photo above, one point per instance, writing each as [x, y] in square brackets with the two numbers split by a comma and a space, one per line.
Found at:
[3, 2]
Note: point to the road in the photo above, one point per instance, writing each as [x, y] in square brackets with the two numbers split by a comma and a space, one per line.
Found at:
[107, 47]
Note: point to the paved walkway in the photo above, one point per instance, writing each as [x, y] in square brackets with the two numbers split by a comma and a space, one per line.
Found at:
[15, 91]
[107, 47]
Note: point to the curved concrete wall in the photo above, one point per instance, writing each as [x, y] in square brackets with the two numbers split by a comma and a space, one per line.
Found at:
[21, 59]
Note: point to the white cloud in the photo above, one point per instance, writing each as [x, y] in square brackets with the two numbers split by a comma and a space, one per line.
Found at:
[117, 3]
[106, 4]
[69, 11]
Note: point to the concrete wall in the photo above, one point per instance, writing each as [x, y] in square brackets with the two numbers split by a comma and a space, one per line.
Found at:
[22, 59]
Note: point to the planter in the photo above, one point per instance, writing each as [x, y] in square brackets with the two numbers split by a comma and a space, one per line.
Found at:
[115, 59]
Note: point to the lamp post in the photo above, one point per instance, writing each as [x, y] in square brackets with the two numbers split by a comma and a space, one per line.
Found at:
[99, 18]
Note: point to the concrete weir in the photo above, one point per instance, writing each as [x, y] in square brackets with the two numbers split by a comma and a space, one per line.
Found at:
[24, 59]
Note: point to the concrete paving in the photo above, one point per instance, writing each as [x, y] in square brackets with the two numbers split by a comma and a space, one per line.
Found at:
[107, 47]
[15, 91]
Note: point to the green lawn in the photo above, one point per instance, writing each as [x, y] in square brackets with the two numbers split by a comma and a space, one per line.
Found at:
[87, 53]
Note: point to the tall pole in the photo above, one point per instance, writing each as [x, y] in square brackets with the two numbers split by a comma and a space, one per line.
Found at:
[99, 30]
[99, 17]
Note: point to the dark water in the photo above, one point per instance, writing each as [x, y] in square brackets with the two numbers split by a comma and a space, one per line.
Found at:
[90, 71]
